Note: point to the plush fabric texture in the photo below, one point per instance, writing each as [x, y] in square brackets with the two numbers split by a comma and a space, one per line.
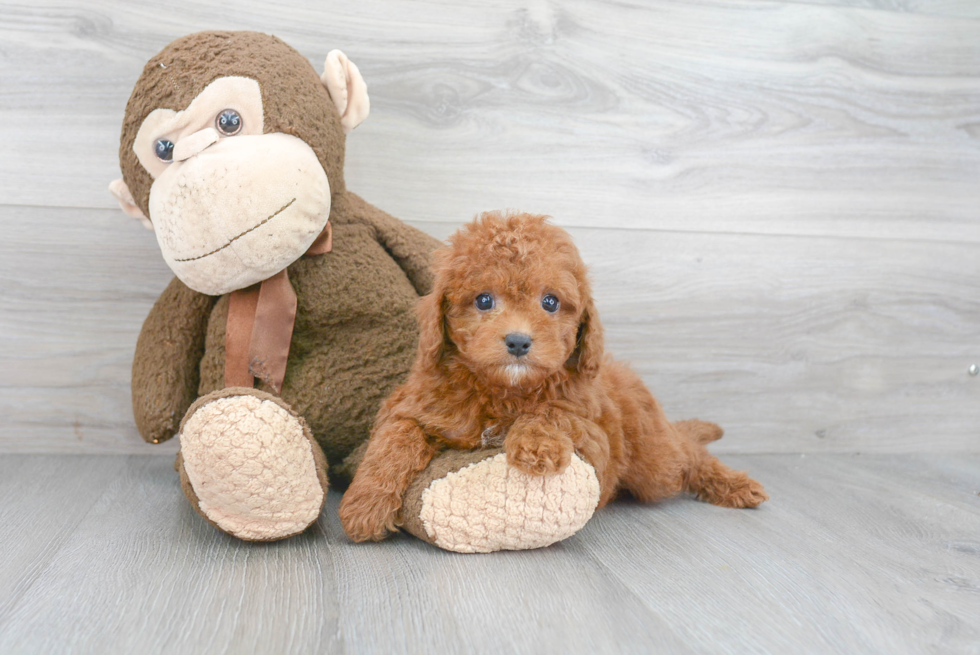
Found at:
[487, 485]
[294, 100]
[121, 193]
[487, 505]
[251, 465]
[355, 330]
[353, 340]
[167, 362]
[249, 235]
[347, 89]
[192, 129]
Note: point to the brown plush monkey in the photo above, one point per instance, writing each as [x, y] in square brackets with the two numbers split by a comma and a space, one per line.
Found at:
[272, 350]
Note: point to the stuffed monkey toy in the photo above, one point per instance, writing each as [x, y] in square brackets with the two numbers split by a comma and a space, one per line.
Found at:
[292, 314]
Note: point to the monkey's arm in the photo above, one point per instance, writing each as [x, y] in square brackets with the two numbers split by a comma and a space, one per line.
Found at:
[166, 367]
[408, 246]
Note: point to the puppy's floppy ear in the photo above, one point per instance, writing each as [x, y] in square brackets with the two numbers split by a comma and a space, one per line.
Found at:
[589, 350]
[434, 340]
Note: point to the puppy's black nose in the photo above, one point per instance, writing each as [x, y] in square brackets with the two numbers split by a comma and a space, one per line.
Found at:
[517, 344]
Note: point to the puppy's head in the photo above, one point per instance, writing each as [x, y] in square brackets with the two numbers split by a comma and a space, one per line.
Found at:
[512, 302]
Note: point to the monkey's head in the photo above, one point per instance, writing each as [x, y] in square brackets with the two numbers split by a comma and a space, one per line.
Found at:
[231, 150]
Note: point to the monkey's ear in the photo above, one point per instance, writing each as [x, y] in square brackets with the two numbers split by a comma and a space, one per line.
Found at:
[121, 192]
[346, 88]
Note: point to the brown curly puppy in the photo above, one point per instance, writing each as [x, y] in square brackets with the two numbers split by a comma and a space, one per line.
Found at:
[511, 342]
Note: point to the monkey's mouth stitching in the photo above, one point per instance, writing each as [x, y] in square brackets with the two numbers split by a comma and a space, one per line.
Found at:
[236, 238]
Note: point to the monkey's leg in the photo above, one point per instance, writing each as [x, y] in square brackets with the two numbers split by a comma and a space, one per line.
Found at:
[250, 466]
[474, 502]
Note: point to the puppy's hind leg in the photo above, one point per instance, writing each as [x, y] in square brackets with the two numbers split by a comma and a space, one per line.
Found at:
[665, 459]
[714, 482]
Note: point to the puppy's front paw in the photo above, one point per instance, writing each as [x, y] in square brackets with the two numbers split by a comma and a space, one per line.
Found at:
[538, 449]
[366, 516]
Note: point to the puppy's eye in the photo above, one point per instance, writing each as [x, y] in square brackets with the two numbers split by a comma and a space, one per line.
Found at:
[550, 303]
[164, 150]
[228, 122]
[484, 302]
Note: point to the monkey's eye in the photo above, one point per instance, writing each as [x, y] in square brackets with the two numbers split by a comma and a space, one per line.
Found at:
[229, 122]
[164, 149]
[550, 303]
[484, 302]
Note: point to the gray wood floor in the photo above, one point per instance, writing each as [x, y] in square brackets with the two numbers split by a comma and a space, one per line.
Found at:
[854, 554]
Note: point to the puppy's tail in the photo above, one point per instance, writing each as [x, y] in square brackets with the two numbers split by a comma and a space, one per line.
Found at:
[699, 431]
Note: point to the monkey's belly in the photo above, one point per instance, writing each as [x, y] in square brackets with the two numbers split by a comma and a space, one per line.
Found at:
[339, 387]
[336, 378]
[353, 341]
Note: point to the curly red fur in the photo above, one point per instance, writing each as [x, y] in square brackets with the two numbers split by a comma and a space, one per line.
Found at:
[563, 396]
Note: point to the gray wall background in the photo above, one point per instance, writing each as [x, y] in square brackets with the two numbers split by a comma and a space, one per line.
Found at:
[780, 201]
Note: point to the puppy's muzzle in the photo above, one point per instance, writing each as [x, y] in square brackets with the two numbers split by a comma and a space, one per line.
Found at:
[518, 344]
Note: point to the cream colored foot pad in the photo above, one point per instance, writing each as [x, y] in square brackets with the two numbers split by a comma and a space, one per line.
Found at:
[491, 506]
[251, 467]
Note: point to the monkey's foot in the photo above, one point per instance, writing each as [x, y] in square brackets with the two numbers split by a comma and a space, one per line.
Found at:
[250, 465]
[474, 502]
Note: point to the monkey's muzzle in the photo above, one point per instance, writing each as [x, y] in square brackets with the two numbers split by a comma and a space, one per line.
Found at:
[240, 210]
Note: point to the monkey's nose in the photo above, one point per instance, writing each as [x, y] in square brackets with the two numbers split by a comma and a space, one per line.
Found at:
[517, 343]
[193, 144]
